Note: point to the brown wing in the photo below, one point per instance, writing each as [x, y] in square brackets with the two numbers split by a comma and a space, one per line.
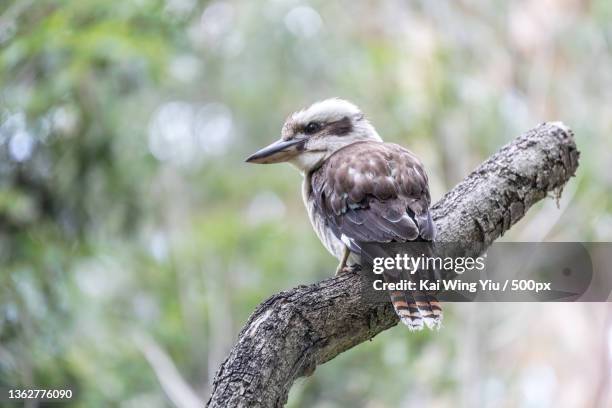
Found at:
[374, 192]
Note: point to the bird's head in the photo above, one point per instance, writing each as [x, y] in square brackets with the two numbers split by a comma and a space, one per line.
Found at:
[311, 135]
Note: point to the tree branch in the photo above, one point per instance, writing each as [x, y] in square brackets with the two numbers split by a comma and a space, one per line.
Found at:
[292, 332]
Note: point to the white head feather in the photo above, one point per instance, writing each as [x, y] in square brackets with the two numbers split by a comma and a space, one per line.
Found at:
[318, 149]
[328, 110]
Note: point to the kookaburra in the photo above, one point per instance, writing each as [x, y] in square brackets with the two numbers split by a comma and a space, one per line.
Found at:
[357, 189]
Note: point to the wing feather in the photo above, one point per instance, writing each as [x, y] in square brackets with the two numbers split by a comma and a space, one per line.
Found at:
[374, 192]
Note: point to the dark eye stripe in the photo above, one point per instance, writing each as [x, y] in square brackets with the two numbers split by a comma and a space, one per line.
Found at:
[340, 127]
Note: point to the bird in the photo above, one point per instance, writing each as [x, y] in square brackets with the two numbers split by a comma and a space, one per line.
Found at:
[359, 192]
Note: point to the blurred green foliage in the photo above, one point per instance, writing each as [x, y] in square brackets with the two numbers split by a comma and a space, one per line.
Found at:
[134, 242]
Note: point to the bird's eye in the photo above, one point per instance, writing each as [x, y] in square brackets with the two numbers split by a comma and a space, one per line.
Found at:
[312, 127]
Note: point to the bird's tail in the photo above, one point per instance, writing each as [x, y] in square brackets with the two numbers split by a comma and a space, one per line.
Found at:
[416, 308]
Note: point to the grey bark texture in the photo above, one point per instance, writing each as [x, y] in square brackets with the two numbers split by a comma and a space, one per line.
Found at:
[292, 332]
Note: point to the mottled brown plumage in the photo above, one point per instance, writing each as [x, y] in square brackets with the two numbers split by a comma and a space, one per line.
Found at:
[374, 192]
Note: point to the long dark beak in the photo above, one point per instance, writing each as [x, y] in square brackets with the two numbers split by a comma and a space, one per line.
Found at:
[279, 151]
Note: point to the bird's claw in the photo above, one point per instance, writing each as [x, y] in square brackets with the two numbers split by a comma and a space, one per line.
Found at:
[347, 269]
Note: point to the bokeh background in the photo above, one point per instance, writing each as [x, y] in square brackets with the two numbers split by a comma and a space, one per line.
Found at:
[135, 242]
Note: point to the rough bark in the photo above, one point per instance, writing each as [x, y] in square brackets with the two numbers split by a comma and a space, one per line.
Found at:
[292, 332]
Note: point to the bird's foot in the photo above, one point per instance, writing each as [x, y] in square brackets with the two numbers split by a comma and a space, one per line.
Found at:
[341, 270]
